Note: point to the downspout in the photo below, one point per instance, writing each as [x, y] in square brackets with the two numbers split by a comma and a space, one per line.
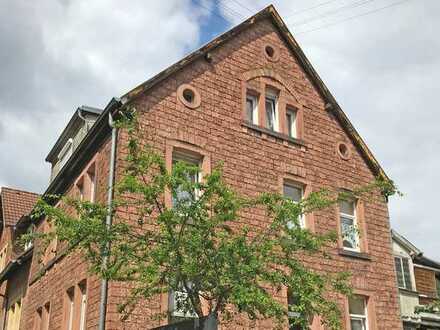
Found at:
[108, 223]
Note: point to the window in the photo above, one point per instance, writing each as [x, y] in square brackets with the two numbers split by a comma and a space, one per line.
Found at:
[437, 282]
[271, 111]
[13, 316]
[178, 304]
[294, 193]
[83, 307]
[70, 300]
[3, 255]
[252, 109]
[38, 319]
[91, 172]
[403, 273]
[349, 230]
[45, 316]
[29, 243]
[292, 301]
[80, 187]
[181, 195]
[358, 312]
[291, 123]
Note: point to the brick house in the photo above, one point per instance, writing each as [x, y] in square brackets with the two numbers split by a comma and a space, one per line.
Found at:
[14, 260]
[251, 99]
[418, 279]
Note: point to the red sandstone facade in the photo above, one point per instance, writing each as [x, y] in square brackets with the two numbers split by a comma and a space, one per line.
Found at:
[213, 125]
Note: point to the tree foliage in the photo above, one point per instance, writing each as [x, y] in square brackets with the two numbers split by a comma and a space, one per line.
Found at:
[202, 245]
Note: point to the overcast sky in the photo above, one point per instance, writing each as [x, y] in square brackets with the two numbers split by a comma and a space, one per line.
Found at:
[380, 59]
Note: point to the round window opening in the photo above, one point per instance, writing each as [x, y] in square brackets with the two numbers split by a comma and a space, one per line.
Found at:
[343, 150]
[270, 52]
[189, 96]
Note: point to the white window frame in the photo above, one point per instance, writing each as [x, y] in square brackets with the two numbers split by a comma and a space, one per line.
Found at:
[359, 317]
[254, 100]
[273, 98]
[71, 303]
[173, 298]
[192, 160]
[292, 130]
[353, 217]
[403, 272]
[83, 306]
[302, 218]
[92, 179]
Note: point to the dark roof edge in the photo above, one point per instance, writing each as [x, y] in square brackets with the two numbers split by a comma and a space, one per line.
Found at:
[63, 134]
[15, 263]
[271, 12]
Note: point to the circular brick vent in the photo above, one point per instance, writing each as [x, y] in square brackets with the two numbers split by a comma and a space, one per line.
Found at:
[189, 96]
[343, 150]
[271, 52]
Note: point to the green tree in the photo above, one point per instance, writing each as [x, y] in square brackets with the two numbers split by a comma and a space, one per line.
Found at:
[200, 246]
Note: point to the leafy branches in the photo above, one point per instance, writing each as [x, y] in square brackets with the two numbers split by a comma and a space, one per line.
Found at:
[174, 232]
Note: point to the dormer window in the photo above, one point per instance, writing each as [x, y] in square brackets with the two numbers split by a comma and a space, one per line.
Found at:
[65, 153]
[271, 104]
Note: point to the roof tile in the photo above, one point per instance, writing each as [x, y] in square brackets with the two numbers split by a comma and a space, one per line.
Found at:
[16, 203]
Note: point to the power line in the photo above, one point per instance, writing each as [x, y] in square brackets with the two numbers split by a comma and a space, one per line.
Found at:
[353, 17]
[331, 12]
[212, 12]
[228, 10]
[294, 13]
[250, 10]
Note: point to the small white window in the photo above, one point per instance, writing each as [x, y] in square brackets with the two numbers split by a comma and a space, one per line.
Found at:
[271, 111]
[292, 301]
[182, 195]
[83, 307]
[252, 109]
[70, 300]
[358, 313]
[349, 229]
[295, 193]
[403, 273]
[291, 123]
[92, 181]
[178, 304]
[80, 187]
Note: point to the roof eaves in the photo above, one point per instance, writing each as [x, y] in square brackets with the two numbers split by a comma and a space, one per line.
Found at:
[405, 242]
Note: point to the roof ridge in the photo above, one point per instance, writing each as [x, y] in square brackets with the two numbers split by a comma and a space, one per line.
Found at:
[18, 190]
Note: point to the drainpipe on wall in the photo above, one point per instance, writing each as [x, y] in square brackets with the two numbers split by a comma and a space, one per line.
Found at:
[108, 223]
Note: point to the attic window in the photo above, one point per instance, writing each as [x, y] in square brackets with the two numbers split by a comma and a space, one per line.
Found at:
[65, 153]
[343, 150]
[271, 52]
[189, 96]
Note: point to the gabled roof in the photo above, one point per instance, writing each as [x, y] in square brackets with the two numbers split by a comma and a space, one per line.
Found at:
[100, 131]
[270, 13]
[15, 204]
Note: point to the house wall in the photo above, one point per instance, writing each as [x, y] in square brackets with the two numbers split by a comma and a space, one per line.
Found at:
[426, 285]
[255, 162]
[49, 284]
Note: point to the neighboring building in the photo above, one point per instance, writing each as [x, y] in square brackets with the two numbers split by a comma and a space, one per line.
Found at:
[249, 99]
[15, 260]
[418, 279]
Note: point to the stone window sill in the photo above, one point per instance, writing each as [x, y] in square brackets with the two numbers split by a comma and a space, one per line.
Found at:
[354, 254]
[277, 135]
